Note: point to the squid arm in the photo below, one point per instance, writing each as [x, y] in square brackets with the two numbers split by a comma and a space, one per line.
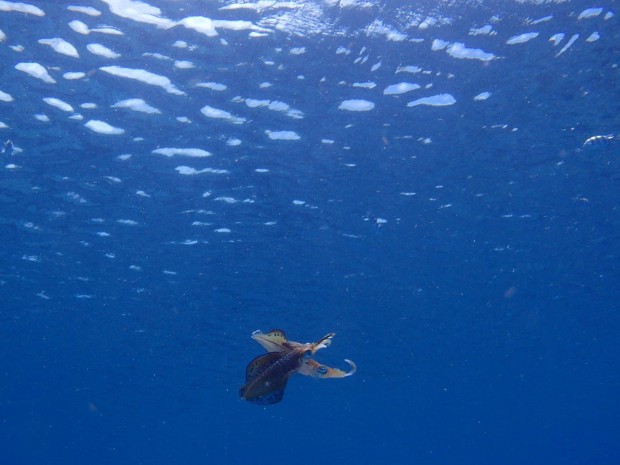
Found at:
[317, 370]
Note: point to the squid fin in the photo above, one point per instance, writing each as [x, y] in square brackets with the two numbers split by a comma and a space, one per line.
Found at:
[259, 364]
[260, 387]
[273, 341]
[271, 397]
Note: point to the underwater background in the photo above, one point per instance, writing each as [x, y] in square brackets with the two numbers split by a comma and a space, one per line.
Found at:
[436, 182]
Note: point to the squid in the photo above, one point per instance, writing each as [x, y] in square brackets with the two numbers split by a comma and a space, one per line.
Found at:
[267, 375]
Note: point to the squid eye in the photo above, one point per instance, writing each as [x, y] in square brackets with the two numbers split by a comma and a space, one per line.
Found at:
[307, 354]
[322, 370]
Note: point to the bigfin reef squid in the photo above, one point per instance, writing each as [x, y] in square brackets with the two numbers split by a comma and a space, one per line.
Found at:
[267, 375]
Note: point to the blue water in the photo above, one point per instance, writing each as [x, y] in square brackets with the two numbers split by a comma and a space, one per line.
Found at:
[466, 255]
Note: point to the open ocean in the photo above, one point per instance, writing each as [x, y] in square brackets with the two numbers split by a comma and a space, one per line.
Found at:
[436, 182]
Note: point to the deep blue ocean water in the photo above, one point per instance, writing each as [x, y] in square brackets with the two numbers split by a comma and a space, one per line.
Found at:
[464, 248]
